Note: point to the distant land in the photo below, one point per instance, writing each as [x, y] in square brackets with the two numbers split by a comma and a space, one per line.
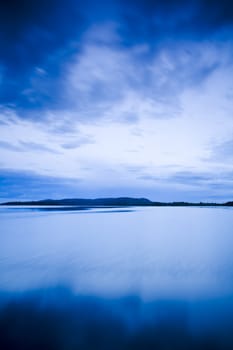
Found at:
[117, 202]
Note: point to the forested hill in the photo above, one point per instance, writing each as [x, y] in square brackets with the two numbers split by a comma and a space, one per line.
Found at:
[121, 201]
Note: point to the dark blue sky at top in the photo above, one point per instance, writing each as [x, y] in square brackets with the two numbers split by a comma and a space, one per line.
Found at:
[45, 34]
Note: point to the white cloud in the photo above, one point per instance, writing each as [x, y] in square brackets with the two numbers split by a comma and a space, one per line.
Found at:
[128, 108]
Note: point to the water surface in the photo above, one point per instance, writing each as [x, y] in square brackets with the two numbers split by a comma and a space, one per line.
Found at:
[140, 275]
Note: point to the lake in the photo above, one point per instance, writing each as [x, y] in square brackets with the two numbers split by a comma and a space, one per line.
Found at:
[116, 278]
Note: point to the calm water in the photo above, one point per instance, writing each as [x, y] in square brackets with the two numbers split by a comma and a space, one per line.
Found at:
[141, 278]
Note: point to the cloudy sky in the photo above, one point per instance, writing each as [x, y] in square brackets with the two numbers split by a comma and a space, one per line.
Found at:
[116, 98]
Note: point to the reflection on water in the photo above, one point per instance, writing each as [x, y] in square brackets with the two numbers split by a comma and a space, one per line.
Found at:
[57, 319]
[150, 278]
[150, 252]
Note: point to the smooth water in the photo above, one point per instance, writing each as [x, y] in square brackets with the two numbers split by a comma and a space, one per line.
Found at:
[116, 278]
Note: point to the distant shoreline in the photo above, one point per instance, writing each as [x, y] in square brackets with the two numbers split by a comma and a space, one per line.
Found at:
[114, 202]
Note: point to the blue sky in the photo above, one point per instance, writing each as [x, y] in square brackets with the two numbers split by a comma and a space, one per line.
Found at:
[116, 98]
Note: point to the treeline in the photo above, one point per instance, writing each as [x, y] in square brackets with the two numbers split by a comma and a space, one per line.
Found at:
[121, 201]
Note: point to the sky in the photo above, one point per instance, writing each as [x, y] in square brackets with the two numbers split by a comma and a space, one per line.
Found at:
[116, 98]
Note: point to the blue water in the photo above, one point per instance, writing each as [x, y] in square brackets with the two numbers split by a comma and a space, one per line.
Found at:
[116, 278]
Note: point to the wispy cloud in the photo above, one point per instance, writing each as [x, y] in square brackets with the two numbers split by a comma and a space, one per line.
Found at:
[78, 143]
[26, 185]
[223, 152]
[34, 146]
[9, 146]
[130, 96]
[23, 146]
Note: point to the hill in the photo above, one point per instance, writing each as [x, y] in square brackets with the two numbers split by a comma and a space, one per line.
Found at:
[117, 202]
